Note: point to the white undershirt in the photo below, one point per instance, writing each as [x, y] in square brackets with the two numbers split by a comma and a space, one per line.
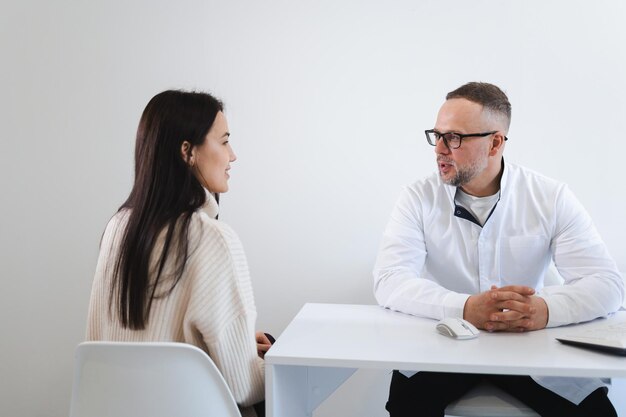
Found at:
[480, 207]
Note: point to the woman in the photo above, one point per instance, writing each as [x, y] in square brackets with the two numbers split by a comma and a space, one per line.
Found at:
[168, 270]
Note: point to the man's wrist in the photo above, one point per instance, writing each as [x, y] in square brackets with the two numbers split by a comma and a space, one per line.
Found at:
[467, 307]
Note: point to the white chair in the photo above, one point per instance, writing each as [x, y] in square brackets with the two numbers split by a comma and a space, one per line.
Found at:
[486, 400]
[119, 379]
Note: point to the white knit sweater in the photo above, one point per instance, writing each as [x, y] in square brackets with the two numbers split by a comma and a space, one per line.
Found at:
[211, 307]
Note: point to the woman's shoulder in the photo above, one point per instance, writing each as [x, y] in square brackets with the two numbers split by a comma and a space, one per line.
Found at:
[214, 246]
[115, 226]
[207, 230]
[120, 218]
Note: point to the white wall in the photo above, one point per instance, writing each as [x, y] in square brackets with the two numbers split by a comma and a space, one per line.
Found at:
[327, 102]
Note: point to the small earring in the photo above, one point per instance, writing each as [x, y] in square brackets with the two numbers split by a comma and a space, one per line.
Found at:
[192, 162]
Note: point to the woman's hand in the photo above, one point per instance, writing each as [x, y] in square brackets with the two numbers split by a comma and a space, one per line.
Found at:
[262, 344]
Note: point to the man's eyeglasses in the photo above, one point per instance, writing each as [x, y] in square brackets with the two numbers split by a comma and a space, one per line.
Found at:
[453, 140]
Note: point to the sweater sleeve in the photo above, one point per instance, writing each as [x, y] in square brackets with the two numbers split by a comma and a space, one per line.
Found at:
[221, 314]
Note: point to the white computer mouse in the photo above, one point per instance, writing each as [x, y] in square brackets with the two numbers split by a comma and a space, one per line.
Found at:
[457, 328]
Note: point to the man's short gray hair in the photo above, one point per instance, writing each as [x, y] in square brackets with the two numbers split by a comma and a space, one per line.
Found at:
[488, 95]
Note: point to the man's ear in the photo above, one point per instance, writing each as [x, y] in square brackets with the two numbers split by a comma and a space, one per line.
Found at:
[497, 143]
[186, 152]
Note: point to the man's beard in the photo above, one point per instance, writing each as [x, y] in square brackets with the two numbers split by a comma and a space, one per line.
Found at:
[464, 174]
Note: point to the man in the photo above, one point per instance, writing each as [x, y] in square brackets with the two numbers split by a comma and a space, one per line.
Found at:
[475, 241]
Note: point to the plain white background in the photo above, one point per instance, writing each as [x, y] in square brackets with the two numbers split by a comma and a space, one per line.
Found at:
[327, 102]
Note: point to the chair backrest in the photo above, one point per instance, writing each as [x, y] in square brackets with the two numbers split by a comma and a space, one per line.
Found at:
[486, 400]
[124, 379]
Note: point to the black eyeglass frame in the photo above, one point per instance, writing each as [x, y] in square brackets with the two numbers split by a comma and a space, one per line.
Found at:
[460, 135]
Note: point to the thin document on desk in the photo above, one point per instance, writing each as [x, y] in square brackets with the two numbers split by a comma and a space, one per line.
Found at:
[608, 338]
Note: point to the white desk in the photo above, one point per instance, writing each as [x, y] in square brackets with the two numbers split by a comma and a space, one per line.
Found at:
[326, 343]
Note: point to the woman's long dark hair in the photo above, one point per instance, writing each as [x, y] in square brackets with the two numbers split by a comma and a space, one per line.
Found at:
[164, 196]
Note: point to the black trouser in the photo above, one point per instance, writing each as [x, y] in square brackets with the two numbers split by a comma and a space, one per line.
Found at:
[427, 394]
[259, 408]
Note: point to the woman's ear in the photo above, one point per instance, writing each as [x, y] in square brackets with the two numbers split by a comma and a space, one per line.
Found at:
[186, 152]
